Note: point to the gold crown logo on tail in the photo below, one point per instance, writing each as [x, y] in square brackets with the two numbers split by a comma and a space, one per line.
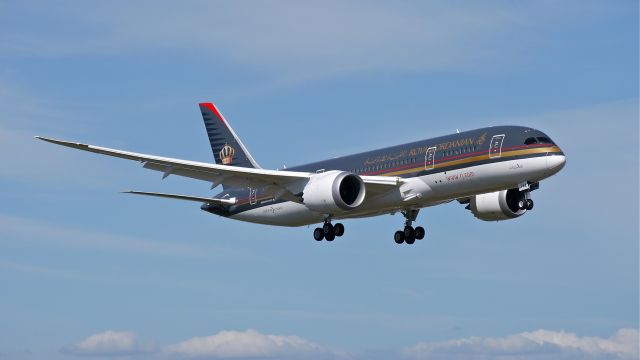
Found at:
[226, 154]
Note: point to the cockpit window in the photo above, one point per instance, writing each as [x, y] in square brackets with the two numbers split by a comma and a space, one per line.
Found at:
[530, 141]
[545, 140]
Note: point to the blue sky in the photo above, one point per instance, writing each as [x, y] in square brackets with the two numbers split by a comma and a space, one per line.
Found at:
[88, 272]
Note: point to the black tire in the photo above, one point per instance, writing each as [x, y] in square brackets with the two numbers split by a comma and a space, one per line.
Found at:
[419, 233]
[327, 228]
[398, 237]
[529, 204]
[522, 204]
[330, 236]
[410, 240]
[318, 234]
[409, 232]
[338, 229]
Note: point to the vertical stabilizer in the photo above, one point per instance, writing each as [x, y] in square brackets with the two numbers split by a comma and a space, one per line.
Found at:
[227, 148]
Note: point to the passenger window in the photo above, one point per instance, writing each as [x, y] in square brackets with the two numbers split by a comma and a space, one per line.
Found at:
[530, 141]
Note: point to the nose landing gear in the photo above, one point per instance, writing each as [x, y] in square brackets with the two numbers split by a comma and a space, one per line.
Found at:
[409, 234]
[525, 202]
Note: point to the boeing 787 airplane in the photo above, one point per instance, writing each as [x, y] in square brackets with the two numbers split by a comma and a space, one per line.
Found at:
[492, 170]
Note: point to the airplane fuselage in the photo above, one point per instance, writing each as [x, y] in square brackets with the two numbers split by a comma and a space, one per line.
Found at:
[433, 171]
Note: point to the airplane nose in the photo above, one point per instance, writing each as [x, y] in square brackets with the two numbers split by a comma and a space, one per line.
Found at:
[555, 162]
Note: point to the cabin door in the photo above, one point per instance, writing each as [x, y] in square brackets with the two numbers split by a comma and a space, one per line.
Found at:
[496, 146]
[253, 196]
[430, 158]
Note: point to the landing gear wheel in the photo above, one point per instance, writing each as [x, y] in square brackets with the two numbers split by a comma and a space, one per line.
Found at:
[398, 237]
[409, 232]
[409, 235]
[522, 204]
[318, 234]
[327, 228]
[330, 236]
[529, 204]
[419, 233]
[338, 229]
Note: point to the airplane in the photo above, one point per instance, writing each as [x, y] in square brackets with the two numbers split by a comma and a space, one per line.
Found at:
[491, 170]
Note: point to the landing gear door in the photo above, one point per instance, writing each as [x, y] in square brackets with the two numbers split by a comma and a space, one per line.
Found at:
[253, 196]
[496, 146]
[430, 158]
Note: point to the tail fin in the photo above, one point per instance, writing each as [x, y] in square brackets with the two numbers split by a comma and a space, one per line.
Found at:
[227, 148]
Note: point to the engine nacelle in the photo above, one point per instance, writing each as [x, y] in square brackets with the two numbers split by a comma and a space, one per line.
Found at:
[333, 191]
[496, 206]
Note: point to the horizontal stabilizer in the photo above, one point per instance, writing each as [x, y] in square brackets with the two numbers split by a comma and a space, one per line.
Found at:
[230, 201]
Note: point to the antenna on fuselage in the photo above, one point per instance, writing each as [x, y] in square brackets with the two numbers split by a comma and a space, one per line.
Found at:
[457, 131]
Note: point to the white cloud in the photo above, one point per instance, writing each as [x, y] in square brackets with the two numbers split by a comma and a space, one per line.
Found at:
[109, 343]
[42, 233]
[540, 344]
[249, 344]
[298, 38]
[36, 270]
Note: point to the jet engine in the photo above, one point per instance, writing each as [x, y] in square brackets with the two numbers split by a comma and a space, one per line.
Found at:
[496, 206]
[333, 191]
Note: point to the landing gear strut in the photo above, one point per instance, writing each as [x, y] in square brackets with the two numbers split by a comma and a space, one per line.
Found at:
[328, 231]
[409, 234]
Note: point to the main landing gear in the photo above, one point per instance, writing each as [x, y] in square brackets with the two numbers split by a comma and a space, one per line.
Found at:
[328, 231]
[409, 234]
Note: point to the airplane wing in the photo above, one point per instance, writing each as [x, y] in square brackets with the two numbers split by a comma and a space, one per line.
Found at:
[197, 170]
[285, 183]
